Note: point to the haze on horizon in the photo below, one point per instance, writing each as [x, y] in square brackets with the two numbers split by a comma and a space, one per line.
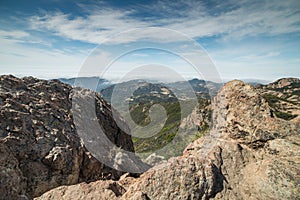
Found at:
[244, 39]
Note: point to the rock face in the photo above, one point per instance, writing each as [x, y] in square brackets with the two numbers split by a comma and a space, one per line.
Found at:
[13, 183]
[39, 146]
[249, 154]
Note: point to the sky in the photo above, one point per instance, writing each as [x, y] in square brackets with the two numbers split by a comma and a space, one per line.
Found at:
[244, 39]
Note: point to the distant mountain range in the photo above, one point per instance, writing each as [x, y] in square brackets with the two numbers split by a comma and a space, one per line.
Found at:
[106, 87]
[93, 83]
[200, 86]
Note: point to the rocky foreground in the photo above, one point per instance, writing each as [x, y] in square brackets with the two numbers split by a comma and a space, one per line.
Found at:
[39, 146]
[250, 153]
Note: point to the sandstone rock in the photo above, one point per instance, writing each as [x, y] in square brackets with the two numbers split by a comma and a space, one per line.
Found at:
[249, 154]
[41, 139]
[243, 114]
[106, 190]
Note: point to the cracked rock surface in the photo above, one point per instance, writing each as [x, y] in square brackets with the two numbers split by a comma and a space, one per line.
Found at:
[40, 149]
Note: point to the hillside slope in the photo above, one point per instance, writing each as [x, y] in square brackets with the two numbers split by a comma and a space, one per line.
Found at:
[178, 102]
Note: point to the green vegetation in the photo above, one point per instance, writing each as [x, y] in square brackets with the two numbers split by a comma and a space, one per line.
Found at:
[284, 115]
[203, 130]
[297, 92]
[143, 99]
[140, 114]
[273, 100]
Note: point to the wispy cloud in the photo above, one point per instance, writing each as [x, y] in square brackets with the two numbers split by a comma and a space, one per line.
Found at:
[246, 18]
[255, 57]
[13, 34]
[233, 19]
[94, 28]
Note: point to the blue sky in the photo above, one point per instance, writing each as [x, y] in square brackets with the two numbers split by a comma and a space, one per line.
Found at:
[244, 39]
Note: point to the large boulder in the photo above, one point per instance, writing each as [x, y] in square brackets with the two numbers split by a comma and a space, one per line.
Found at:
[40, 147]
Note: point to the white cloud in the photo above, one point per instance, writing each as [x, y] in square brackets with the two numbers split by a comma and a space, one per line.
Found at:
[13, 34]
[250, 18]
[236, 20]
[20, 60]
[95, 28]
[256, 57]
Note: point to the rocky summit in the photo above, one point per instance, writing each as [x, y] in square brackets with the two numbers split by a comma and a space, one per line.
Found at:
[39, 146]
[250, 153]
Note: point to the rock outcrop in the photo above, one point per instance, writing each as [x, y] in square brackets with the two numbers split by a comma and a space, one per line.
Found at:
[283, 83]
[249, 154]
[39, 146]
